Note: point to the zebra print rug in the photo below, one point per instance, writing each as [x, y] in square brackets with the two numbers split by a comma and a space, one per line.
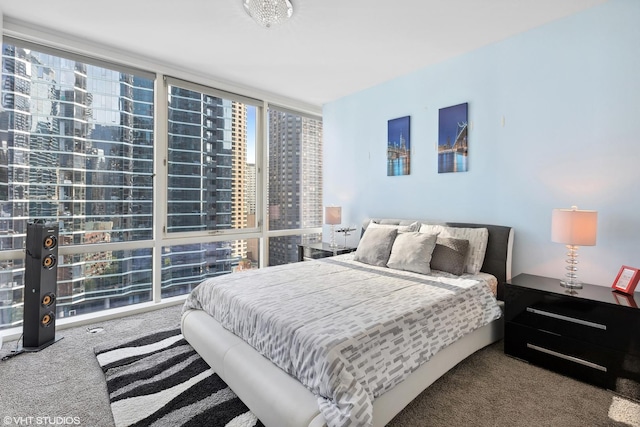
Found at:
[159, 380]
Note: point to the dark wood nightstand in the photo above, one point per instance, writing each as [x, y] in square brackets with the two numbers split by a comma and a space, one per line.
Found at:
[591, 334]
[321, 250]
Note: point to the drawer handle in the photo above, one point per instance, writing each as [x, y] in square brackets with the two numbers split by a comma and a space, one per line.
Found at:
[567, 318]
[569, 358]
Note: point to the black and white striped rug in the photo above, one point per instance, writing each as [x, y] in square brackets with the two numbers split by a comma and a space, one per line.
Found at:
[159, 380]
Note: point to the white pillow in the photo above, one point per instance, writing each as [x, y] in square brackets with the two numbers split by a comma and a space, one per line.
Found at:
[401, 228]
[412, 251]
[477, 237]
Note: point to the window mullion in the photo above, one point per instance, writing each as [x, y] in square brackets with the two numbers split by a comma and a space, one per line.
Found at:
[159, 183]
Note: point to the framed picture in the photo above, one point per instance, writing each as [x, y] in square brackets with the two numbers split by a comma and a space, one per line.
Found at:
[626, 280]
[399, 146]
[452, 138]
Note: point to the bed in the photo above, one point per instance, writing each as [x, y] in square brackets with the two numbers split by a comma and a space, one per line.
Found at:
[347, 381]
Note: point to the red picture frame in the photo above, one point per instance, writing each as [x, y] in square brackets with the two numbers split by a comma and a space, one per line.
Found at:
[626, 280]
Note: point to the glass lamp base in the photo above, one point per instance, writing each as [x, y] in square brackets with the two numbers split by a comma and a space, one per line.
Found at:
[333, 243]
[570, 284]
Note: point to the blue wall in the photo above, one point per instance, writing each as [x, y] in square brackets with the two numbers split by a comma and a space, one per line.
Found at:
[554, 121]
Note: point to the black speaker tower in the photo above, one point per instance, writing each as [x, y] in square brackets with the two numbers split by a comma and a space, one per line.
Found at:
[40, 285]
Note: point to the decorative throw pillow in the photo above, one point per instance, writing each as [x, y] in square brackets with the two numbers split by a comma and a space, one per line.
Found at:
[477, 237]
[401, 228]
[449, 255]
[412, 252]
[375, 246]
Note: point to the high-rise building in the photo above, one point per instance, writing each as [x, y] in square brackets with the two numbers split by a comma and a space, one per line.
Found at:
[250, 188]
[205, 134]
[250, 207]
[295, 180]
[239, 170]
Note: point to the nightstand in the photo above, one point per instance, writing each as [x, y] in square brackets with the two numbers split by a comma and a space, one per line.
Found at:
[591, 334]
[321, 250]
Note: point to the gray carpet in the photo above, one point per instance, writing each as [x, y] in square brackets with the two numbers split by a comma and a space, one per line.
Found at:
[487, 389]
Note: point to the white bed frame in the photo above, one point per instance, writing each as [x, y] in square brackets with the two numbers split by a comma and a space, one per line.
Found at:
[280, 400]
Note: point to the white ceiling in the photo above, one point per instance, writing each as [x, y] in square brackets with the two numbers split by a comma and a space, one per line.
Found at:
[328, 49]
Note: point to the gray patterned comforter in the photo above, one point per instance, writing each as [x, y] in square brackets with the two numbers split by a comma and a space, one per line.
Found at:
[346, 330]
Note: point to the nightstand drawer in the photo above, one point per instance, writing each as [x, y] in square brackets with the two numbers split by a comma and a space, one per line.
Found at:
[601, 324]
[588, 362]
[586, 333]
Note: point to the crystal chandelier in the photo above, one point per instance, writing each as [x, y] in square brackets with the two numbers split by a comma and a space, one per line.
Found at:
[268, 12]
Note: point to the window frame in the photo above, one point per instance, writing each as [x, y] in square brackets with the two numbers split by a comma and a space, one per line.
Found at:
[218, 235]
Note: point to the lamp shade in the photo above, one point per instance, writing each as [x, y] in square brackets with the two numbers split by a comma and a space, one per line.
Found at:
[333, 215]
[574, 227]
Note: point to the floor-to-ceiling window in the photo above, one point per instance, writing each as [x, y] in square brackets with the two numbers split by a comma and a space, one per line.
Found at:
[209, 149]
[77, 149]
[146, 210]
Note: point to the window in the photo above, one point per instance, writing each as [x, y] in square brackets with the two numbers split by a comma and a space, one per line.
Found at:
[79, 146]
[76, 148]
[209, 189]
[209, 154]
[185, 266]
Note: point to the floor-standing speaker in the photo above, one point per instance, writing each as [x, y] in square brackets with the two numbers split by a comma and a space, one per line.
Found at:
[40, 285]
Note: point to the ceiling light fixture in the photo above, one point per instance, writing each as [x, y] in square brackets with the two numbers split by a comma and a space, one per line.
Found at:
[268, 12]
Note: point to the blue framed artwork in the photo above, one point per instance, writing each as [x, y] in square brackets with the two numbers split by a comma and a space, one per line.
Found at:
[399, 146]
[452, 139]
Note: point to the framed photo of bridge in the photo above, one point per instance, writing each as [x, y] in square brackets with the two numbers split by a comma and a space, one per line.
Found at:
[453, 143]
[399, 146]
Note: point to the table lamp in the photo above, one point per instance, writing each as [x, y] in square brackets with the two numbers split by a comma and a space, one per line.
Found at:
[574, 228]
[333, 217]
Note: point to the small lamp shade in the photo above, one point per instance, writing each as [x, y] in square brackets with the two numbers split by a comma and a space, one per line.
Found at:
[574, 227]
[333, 215]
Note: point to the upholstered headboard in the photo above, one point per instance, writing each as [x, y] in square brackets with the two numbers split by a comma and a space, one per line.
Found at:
[497, 260]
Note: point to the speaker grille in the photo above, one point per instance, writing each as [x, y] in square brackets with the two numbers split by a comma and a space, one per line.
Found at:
[47, 319]
[50, 242]
[48, 299]
[49, 261]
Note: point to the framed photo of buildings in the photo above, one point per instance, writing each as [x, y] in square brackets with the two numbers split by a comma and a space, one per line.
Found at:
[399, 146]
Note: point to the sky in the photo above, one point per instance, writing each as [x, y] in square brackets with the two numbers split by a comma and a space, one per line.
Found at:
[448, 123]
[396, 126]
[251, 134]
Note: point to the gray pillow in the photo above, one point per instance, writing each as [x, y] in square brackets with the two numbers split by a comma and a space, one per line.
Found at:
[449, 255]
[412, 252]
[375, 246]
